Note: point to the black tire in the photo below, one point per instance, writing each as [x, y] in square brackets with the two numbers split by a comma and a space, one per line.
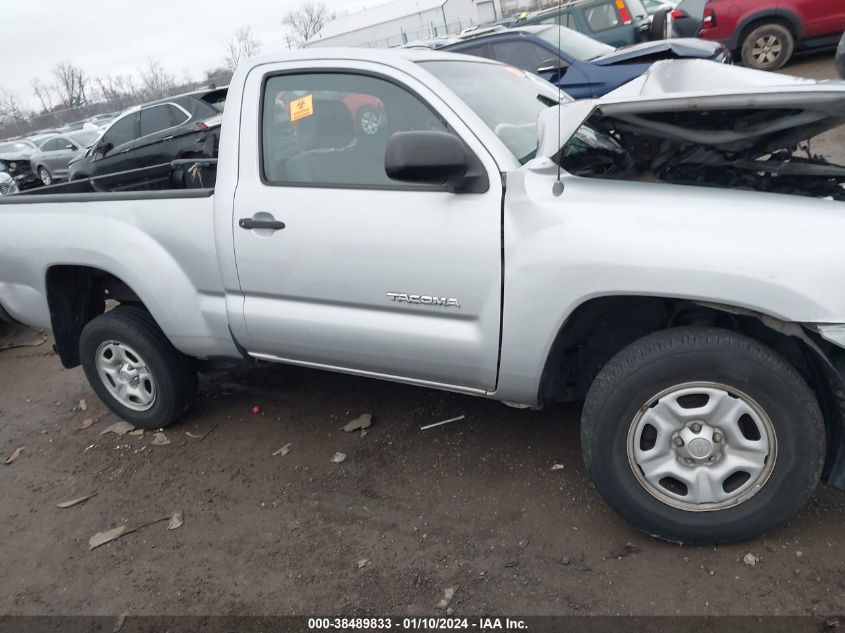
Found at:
[697, 354]
[174, 373]
[659, 29]
[779, 35]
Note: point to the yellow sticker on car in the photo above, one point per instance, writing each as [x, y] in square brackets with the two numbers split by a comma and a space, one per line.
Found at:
[301, 108]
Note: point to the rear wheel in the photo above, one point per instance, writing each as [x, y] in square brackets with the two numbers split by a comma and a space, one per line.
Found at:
[45, 176]
[660, 28]
[702, 435]
[135, 370]
[768, 47]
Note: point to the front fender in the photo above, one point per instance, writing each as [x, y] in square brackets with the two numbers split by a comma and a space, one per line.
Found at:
[611, 238]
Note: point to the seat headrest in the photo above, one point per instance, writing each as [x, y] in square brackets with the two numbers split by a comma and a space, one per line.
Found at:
[330, 127]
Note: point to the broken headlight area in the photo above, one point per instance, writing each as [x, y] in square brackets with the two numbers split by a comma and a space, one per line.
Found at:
[788, 151]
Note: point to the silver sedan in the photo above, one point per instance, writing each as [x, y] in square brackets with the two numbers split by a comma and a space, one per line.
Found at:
[50, 160]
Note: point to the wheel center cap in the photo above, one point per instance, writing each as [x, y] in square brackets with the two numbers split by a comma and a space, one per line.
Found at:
[126, 374]
[699, 448]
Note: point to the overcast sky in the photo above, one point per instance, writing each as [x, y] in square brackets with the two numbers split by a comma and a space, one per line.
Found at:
[119, 36]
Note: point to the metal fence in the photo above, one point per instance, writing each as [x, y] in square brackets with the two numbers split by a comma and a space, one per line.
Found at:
[431, 31]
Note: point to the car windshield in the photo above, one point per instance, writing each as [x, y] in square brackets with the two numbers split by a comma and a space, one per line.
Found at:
[574, 44]
[507, 99]
[86, 139]
[16, 147]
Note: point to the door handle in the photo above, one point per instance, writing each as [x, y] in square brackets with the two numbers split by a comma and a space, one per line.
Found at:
[250, 224]
[168, 138]
[123, 151]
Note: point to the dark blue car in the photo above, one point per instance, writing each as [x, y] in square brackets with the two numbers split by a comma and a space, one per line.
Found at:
[581, 66]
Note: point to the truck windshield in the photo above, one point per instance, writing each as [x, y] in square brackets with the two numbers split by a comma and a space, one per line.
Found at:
[507, 99]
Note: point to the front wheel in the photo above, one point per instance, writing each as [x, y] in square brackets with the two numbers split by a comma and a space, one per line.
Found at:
[135, 370]
[702, 435]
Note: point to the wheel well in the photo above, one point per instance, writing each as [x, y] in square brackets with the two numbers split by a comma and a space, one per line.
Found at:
[786, 20]
[600, 328]
[75, 296]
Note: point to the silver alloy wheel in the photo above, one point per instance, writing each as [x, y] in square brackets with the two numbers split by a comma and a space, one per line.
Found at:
[126, 375]
[702, 446]
[766, 50]
[370, 122]
[45, 176]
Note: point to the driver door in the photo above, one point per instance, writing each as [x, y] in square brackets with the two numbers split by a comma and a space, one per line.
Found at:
[361, 273]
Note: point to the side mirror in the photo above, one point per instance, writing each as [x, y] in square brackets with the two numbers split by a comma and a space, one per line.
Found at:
[71, 147]
[551, 65]
[427, 158]
[104, 148]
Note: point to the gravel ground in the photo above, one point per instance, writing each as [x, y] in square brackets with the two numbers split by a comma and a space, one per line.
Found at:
[474, 505]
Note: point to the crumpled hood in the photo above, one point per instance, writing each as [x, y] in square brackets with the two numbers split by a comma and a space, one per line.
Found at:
[697, 85]
[682, 48]
[16, 157]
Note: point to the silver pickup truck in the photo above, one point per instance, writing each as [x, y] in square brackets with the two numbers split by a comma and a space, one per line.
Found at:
[671, 253]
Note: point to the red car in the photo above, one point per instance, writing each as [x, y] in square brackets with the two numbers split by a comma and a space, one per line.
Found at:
[765, 33]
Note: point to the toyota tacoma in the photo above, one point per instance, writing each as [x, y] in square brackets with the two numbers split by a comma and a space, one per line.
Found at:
[670, 253]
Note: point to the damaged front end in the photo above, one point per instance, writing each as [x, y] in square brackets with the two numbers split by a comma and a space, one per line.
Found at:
[780, 138]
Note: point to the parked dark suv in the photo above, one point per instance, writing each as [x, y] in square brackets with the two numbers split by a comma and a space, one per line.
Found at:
[614, 22]
[579, 65]
[185, 126]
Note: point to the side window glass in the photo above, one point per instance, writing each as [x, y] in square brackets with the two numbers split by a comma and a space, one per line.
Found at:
[124, 131]
[177, 116]
[563, 19]
[332, 128]
[523, 55]
[482, 50]
[602, 17]
[50, 146]
[155, 119]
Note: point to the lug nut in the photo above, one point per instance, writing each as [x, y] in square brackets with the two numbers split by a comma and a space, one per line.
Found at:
[688, 461]
[679, 441]
[712, 458]
[717, 437]
[696, 427]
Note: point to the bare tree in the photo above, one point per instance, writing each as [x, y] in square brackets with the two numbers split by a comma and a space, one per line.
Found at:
[155, 81]
[10, 109]
[214, 77]
[242, 45]
[116, 88]
[71, 82]
[43, 93]
[307, 21]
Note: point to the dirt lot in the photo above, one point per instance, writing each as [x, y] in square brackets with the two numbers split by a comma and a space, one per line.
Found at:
[474, 504]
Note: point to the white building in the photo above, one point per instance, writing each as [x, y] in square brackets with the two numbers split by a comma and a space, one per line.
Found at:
[403, 21]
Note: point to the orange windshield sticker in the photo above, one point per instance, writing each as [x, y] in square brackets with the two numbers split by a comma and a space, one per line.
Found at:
[301, 108]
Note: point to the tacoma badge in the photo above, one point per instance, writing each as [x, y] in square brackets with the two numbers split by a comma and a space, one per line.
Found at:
[428, 300]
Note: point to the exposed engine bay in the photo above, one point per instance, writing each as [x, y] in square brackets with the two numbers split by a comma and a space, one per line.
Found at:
[788, 150]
